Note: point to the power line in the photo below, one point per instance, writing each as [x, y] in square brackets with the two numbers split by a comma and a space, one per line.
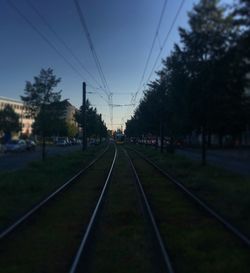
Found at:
[92, 48]
[166, 38]
[61, 40]
[96, 60]
[11, 4]
[163, 45]
[52, 46]
[153, 43]
[96, 92]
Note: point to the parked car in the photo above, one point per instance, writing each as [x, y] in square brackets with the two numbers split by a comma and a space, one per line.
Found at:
[15, 146]
[30, 145]
[61, 142]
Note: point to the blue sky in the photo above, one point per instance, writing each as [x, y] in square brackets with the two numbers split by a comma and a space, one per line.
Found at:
[122, 33]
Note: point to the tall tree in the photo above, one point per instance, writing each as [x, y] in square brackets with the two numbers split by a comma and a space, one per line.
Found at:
[204, 81]
[95, 126]
[44, 104]
[207, 41]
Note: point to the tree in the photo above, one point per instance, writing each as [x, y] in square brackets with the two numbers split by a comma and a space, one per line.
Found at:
[44, 104]
[72, 129]
[207, 41]
[202, 85]
[95, 126]
[9, 121]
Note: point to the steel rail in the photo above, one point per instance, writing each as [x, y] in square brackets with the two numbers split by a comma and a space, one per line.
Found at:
[13, 226]
[205, 206]
[160, 241]
[92, 220]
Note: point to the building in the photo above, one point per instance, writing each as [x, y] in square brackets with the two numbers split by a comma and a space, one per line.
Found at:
[20, 109]
[26, 121]
[70, 114]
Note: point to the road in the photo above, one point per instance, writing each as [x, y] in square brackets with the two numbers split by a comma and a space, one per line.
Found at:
[237, 161]
[15, 161]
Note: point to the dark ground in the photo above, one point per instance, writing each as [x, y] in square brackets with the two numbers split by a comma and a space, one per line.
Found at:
[235, 160]
[14, 161]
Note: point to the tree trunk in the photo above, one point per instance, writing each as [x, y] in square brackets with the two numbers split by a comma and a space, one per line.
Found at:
[220, 140]
[204, 146]
[43, 149]
[209, 138]
[162, 137]
[156, 143]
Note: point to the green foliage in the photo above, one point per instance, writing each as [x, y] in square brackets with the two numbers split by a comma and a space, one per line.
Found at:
[72, 130]
[41, 91]
[203, 82]
[50, 119]
[9, 120]
[44, 103]
[95, 126]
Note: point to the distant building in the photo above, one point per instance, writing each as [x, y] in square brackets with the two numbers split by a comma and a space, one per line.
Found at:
[70, 113]
[26, 121]
[20, 109]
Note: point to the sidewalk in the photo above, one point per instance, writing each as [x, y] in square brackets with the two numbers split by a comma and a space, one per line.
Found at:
[235, 160]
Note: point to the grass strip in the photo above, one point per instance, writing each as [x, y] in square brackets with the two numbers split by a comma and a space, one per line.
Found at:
[121, 240]
[20, 190]
[197, 242]
[48, 241]
[226, 192]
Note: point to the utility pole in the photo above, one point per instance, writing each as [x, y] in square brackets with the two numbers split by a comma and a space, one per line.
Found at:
[84, 136]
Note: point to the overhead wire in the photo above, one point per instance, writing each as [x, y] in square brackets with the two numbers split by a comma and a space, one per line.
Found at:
[156, 35]
[44, 20]
[29, 22]
[96, 59]
[92, 48]
[162, 47]
[153, 42]
[13, 6]
[166, 38]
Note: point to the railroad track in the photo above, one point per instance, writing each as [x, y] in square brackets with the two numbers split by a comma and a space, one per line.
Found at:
[122, 229]
[46, 200]
[137, 221]
[198, 238]
[229, 226]
[190, 234]
[45, 238]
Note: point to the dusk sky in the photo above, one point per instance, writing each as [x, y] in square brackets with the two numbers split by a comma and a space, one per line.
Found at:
[122, 33]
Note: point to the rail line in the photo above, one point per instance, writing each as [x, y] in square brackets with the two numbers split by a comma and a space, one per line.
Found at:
[92, 216]
[229, 226]
[45, 201]
[92, 220]
[39, 244]
[82, 253]
[161, 244]
[194, 237]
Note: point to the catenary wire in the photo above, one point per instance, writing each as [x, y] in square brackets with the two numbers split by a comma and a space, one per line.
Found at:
[96, 60]
[92, 48]
[166, 38]
[153, 42]
[62, 41]
[163, 45]
[13, 6]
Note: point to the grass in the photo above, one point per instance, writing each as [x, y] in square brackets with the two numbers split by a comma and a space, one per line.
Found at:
[226, 192]
[122, 243]
[196, 241]
[50, 239]
[20, 190]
